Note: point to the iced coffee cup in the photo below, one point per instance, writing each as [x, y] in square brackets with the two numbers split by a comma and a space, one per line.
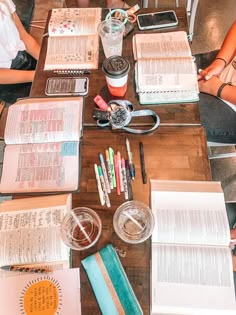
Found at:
[116, 69]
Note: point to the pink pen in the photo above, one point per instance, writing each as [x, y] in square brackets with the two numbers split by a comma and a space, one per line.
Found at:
[117, 174]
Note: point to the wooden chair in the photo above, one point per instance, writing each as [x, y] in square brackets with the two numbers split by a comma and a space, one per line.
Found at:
[191, 7]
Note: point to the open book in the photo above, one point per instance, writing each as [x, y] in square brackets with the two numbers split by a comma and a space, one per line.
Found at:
[73, 41]
[192, 269]
[30, 232]
[165, 71]
[42, 152]
[57, 293]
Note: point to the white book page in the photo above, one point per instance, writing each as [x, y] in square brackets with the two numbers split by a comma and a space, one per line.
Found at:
[187, 217]
[32, 236]
[166, 75]
[161, 45]
[54, 293]
[74, 21]
[46, 167]
[44, 121]
[192, 280]
[79, 52]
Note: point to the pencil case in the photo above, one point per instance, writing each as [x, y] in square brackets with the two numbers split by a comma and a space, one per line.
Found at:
[110, 283]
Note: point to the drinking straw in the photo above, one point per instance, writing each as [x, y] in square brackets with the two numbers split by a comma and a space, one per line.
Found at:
[134, 220]
[80, 226]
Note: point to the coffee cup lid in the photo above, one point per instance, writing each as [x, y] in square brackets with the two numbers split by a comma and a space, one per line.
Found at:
[115, 66]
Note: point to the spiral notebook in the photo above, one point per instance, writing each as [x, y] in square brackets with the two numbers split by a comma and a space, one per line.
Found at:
[165, 71]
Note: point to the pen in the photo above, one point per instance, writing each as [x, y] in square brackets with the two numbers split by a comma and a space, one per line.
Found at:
[111, 158]
[124, 179]
[143, 170]
[25, 269]
[104, 171]
[129, 186]
[131, 164]
[104, 189]
[120, 171]
[100, 192]
[109, 169]
[117, 174]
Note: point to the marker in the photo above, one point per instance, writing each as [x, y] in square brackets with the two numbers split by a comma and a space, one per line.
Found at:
[124, 179]
[117, 174]
[131, 164]
[111, 158]
[129, 186]
[109, 169]
[100, 192]
[104, 189]
[25, 269]
[120, 171]
[104, 171]
[143, 170]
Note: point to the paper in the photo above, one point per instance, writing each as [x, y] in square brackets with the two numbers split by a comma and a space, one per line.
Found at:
[55, 293]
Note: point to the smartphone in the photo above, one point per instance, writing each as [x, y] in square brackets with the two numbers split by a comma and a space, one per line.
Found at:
[67, 86]
[162, 19]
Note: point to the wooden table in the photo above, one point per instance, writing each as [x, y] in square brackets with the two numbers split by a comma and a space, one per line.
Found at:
[170, 153]
[174, 114]
[177, 151]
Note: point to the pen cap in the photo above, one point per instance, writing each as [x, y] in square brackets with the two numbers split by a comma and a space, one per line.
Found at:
[133, 222]
[81, 228]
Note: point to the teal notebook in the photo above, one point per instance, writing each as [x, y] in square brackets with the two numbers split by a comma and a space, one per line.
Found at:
[110, 284]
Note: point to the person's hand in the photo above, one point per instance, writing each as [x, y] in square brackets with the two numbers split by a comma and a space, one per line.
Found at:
[210, 86]
[233, 234]
[234, 262]
[215, 69]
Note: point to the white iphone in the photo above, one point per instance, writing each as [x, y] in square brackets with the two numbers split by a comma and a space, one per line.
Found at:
[67, 86]
[154, 20]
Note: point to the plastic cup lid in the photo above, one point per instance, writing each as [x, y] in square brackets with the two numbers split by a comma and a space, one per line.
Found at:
[115, 66]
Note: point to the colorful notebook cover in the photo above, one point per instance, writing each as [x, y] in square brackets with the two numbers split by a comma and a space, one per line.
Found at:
[110, 283]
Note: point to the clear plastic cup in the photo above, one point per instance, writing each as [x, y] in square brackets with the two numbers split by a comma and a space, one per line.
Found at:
[111, 34]
[81, 228]
[133, 222]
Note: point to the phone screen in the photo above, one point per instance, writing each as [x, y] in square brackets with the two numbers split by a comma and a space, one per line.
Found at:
[67, 86]
[159, 19]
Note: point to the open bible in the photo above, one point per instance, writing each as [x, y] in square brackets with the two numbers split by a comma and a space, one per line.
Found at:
[165, 71]
[42, 152]
[30, 233]
[73, 41]
[192, 270]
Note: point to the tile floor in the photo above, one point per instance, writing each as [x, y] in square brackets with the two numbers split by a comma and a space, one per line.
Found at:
[212, 22]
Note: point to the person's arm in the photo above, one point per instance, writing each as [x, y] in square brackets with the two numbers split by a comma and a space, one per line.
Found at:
[11, 76]
[212, 86]
[32, 46]
[225, 55]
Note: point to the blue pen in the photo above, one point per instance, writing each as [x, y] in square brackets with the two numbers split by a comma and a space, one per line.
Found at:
[104, 171]
[131, 164]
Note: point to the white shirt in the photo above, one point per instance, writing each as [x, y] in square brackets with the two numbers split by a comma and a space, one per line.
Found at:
[229, 75]
[10, 42]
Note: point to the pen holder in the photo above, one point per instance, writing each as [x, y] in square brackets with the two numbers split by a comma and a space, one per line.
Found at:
[133, 222]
